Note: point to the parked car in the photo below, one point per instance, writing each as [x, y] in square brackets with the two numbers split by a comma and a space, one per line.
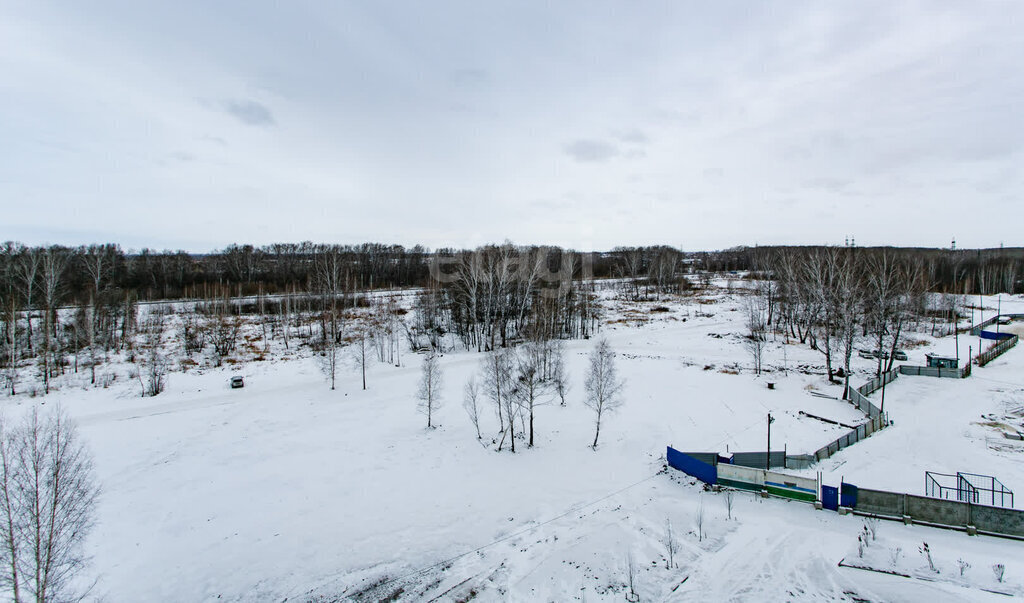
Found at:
[1004, 320]
[900, 355]
[866, 354]
[880, 354]
[237, 381]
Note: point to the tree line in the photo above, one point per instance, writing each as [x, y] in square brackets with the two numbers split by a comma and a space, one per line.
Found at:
[835, 299]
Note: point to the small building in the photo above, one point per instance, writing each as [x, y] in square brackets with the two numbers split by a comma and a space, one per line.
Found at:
[936, 361]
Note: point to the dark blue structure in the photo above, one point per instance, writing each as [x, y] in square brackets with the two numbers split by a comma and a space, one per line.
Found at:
[705, 472]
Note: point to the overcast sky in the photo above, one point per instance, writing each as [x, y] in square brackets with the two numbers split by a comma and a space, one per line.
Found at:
[193, 124]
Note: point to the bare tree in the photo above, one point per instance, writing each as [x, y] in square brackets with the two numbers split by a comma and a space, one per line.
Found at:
[471, 402]
[820, 273]
[10, 512]
[497, 372]
[671, 545]
[729, 501]
[430, 387]
[328, 356]
[559, 374]
[154, 363]
[755, 322]
[224, 331]
[54, 261]
[359, 352]
[47, 499]
[848, 299]
[698, 520]
[603, 386]
[193, 332]
[530, 389]
[27, 271]
[11, 314]
[631, 577]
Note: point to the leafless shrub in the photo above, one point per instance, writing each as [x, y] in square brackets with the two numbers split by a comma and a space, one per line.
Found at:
[999, 570]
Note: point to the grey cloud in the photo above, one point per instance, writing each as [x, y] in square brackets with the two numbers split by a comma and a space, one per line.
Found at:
[250, 112]
[591, 151]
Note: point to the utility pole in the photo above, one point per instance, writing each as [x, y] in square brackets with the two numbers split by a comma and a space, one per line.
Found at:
[956, 331]
[981, 320]
[881, 409]
[999, 310]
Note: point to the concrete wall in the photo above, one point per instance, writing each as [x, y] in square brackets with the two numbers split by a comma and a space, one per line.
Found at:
[737, 476]
[998, 520]
[937, 510]
[951, 513]
[880, 502]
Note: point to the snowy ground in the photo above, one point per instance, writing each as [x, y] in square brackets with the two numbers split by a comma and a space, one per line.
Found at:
[286, 489]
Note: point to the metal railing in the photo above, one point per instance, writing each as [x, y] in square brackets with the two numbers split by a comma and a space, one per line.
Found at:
[971, 488]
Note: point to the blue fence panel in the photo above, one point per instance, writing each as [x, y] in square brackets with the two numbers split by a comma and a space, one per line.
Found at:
[995, 336]
[705, 472]
[830, 497]
[848, 495]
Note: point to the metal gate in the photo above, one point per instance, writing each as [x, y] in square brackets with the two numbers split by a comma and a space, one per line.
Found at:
[830, 497]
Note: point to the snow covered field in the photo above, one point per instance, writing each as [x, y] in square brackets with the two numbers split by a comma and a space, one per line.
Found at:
[287, 490]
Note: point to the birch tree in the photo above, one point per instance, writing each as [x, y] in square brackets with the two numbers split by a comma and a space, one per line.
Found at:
[54, 260]
[48, 497]
[27, 271]
[603, 386]
[471, 403]
[531, 390]
[497, 372]
[430, 387]
[754, 320]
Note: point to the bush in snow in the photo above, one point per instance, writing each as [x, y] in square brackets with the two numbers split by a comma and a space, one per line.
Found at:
[872, 526]
[963, 565]
[999, 569]
[927, 553]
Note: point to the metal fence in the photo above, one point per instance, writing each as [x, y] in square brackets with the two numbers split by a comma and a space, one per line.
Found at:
[850, 438]
[976, 329]
[997, 350]
[859, 396]
[931, 371]
[968, 487]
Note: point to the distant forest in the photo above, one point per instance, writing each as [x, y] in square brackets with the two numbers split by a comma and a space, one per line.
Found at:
[89, 272]
[60, 304]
